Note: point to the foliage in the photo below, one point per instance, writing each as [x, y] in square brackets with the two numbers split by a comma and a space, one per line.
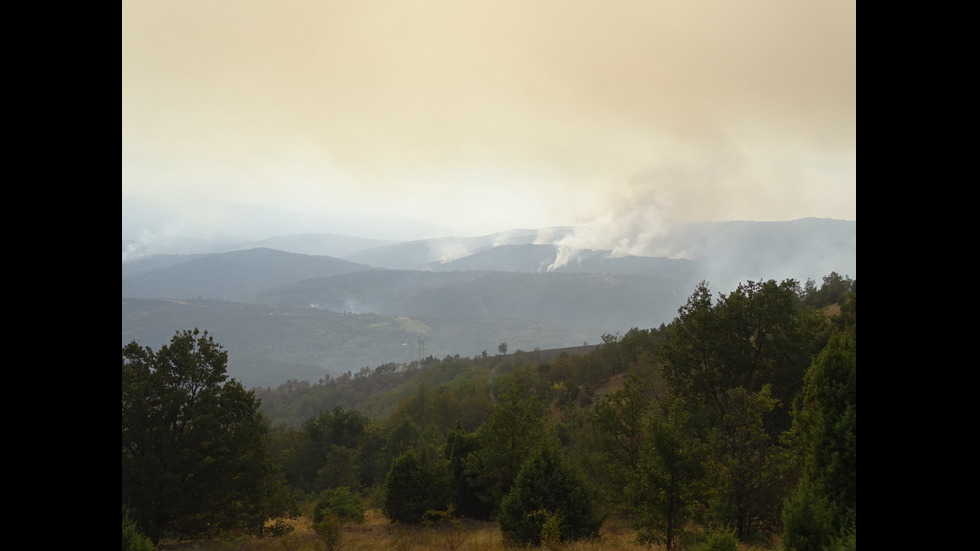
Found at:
[132, 538]
[743, 467]
[339, 502]
[448, 524]
[754, 336]
[550, 528]
[194, 457]
[548, 491]
[330, 451]
[329, 529]
[807, 523]
[834, 290]
[823, 507]
[619, 420]
[415, 485]
[662, 492]
[509, 436]
[717, 540]
[688, 430]
[738, 363]
[458, 450]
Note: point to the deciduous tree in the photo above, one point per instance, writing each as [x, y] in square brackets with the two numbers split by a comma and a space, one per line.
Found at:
[194, 458]
[663, 487]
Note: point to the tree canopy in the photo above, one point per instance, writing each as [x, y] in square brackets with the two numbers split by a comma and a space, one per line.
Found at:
[737, 418]
[194, 460]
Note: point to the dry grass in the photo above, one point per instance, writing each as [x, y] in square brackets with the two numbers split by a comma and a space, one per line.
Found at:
[378, 534]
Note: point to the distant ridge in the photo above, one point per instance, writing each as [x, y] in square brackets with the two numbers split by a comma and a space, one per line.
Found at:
[287, 314]
[237, 275]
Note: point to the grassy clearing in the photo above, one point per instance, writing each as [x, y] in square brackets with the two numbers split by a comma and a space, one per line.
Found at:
[378, 534]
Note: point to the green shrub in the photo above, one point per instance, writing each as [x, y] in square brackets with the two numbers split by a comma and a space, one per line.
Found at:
[330, 530]
[133, 539]
[340, 502]
[415, 485]
[807, 522]
[548, 499]
[717, 540]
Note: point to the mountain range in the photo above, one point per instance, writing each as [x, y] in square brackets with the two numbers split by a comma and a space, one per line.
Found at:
[305, 305]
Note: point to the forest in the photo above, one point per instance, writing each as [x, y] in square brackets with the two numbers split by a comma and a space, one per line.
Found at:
[733, 426]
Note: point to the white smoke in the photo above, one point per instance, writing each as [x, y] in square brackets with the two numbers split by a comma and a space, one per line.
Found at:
[638, 231]
[151, 242]
[451, 249]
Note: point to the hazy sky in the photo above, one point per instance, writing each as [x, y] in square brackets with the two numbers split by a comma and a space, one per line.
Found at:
[485, 115]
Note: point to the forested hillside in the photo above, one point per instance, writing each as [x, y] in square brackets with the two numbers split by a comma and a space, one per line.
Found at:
[288, 315]
[735, 419]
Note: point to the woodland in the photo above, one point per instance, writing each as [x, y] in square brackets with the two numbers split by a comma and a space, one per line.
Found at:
[731, 427]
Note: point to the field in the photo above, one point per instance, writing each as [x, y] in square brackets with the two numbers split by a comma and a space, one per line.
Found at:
[378, 534]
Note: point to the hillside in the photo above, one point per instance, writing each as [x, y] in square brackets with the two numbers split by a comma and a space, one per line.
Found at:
[237, 276]
[268, 345]
[288, 315]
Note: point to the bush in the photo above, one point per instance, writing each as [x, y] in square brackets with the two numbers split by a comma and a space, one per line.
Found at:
[718, 540]
[548, 499]
[807, 522]
[330, 530]
[415, 485]
[339, 502]
[133, 539]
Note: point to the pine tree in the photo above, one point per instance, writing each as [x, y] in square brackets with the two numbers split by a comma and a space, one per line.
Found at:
[546, 493]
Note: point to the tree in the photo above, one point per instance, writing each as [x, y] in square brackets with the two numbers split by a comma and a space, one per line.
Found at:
[833, 290]
[194, 457]
[416, 484]
[663, 486]
[620, 420]
[331, 510]
[744, 466]
[509, 436]
[457, 451]
[548, 496]
[329, 452]
[756, 335]
[502, 348]
[824, 506]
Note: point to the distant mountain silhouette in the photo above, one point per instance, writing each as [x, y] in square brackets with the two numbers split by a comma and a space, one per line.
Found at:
[237, 276]
[290, 315]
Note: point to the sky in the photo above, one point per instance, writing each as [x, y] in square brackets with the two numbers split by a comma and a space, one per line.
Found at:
[619, 116]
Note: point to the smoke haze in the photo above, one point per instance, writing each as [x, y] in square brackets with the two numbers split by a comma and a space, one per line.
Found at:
[622, 118]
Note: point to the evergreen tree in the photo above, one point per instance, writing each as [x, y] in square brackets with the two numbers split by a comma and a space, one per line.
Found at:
[457, 451]
[548, 492]
[329, 453]
[416, 484]
[513, 432]
[823, 508]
